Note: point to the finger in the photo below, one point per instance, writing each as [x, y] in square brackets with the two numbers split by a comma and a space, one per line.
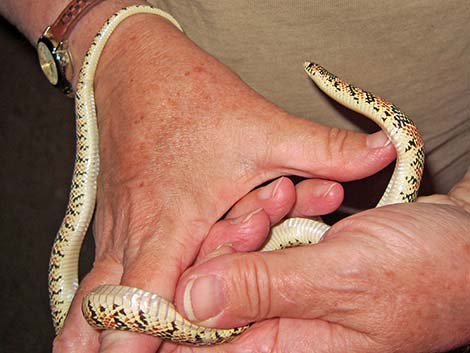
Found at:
[247, 224]
[316, 197]
[314, 150]
[236, 289]
[154, 258]
[77, 336]
[244, 233]
[247, 232]
[276, 199]
[141, 271]
[120, 341]
[311, 197]
[289, 335]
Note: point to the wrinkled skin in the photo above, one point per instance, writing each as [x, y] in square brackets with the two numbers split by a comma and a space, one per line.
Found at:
[393, 279]
[181, 142]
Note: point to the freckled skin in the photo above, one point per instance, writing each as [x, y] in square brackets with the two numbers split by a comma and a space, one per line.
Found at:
[130, 309]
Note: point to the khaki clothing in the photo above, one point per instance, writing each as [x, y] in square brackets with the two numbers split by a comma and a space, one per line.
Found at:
[414, 53]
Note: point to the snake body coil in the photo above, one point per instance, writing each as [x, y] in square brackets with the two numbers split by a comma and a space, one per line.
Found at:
[132, 309]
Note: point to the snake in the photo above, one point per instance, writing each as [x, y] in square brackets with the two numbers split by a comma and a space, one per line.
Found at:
[136, 310]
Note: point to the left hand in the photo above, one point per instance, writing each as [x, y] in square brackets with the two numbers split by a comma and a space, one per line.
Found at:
[395, 278]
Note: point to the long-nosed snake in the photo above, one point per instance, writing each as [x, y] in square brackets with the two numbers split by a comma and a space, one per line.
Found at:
[133, 309]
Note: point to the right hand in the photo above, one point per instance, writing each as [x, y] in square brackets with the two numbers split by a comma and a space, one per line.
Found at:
[389, 279]
[182, 138]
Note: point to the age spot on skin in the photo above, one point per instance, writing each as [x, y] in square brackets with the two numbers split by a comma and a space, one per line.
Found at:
[139, 119]
[197, 69]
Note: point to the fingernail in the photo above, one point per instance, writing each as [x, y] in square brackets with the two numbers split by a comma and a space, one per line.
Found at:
[378, 140]
[203, 298]
[245, 218]
[323, 190]
[222, 246]
[222, 249]
[270, 191]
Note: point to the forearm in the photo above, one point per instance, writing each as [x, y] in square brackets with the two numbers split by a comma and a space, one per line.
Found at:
[31, 16]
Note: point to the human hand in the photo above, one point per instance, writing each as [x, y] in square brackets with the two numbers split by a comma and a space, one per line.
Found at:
[181, 140]
[389, 279]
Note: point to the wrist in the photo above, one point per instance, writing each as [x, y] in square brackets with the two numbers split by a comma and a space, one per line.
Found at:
[81, 36]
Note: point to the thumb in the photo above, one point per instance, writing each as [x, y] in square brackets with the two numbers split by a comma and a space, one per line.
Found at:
[236, 289]
[331, 153]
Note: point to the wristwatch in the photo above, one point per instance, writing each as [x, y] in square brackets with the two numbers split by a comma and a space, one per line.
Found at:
[52, 48]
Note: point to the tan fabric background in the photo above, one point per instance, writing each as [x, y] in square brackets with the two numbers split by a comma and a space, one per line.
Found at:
[415, 53]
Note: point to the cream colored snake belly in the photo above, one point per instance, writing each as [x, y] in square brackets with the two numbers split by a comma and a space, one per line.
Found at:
[132, 309]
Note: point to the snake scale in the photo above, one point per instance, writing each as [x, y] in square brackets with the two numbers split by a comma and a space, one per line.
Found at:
[132, 309]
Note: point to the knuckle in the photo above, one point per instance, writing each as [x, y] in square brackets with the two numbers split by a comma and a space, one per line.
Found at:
[336, 142]
[252, 284]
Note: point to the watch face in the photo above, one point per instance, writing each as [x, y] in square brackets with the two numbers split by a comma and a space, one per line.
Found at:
[48, 66]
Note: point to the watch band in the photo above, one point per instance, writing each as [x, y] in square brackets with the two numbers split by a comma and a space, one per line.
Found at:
[69, 17]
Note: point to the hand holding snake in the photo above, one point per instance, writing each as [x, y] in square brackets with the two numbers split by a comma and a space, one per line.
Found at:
[151, 136]
[387, 279]
[327, 173]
